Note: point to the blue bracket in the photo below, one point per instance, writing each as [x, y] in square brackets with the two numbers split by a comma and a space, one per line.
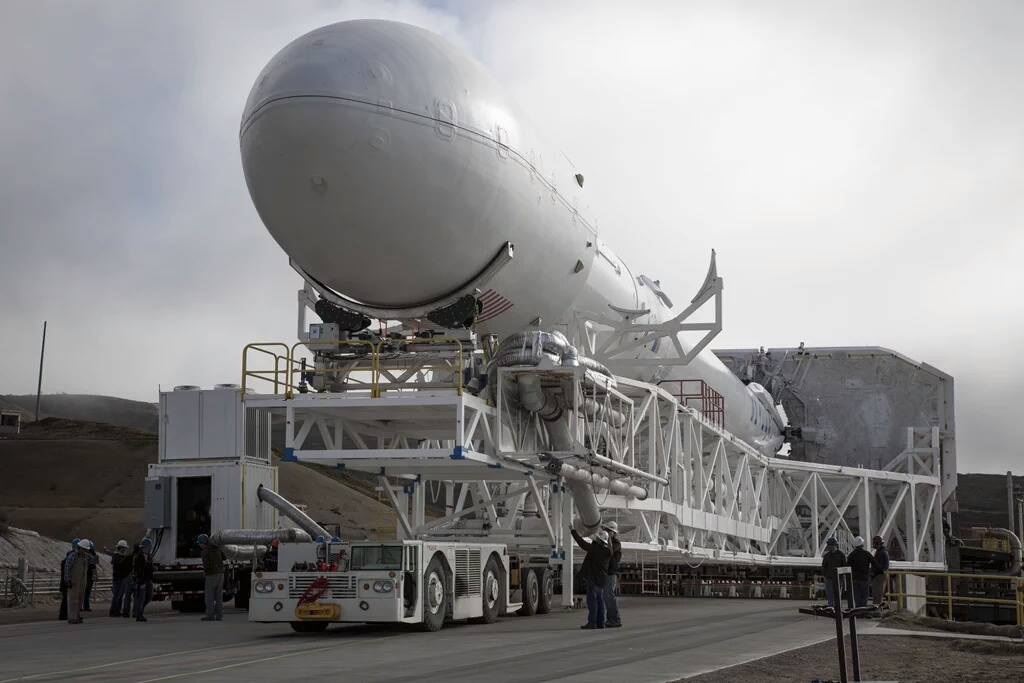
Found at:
[289, 455]
[457, 454]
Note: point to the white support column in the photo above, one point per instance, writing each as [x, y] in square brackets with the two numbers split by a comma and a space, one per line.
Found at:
[568, 545]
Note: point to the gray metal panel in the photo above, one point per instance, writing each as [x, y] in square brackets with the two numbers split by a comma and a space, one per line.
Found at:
[157, 506]
[854, 404]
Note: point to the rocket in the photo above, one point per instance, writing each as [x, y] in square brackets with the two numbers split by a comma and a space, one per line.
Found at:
[399, 177]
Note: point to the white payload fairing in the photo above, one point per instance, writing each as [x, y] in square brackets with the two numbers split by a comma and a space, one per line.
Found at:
[396, 173]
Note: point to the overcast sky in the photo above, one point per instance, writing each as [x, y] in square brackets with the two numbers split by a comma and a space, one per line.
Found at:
[858, 166]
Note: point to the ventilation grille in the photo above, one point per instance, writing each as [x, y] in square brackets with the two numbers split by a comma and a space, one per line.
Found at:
[340, 586]
[467, 573]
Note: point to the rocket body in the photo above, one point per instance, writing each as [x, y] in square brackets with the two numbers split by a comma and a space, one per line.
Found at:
[391, 166]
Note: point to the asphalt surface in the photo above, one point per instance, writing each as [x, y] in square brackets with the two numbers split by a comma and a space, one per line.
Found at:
[663, 639]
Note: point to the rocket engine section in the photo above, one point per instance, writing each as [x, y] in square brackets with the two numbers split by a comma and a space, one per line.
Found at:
[404, 185]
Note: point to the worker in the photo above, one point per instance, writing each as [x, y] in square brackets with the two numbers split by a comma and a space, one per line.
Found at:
[94, 560]
[120, 589]
[879, 571]
[76, 584]
[270, 561]
[860, 562]
[613, 620]
[65, 579]
[213, 575]
[832, 560]
[142, 577]
[594, 573]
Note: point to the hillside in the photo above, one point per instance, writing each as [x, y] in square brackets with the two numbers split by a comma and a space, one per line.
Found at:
[107, 409]
[67, 478]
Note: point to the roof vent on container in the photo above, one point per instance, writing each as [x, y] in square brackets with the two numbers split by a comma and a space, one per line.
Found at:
[186, 387]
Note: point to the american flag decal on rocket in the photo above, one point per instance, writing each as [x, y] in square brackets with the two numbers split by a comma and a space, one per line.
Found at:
[493, 305]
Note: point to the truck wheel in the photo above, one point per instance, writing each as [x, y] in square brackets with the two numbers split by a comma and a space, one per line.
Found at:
[546, 594]
[435, 596]
[531, 593]
[493, 592]
[309, 626]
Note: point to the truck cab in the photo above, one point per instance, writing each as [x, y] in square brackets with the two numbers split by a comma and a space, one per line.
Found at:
[413, 582]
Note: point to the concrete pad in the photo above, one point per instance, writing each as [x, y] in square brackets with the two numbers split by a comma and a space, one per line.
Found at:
[663, 639]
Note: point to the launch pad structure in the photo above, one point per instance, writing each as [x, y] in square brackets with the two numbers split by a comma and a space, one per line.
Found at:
[681, 487]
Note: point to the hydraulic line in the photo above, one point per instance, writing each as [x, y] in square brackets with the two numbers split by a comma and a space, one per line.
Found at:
[251, 537]
[282, 505]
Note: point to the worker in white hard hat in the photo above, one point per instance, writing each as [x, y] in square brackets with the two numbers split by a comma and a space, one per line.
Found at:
[594, 574]
[121, 583]
[78, 576]
[611, 605]
[860, 562]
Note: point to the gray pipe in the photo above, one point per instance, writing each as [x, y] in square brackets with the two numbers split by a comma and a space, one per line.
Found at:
[595, 480]
[282, 505]
[624, 469]
[243, 552]
[251, 537]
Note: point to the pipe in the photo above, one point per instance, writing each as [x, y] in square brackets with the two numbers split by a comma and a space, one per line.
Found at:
[595, 480]
[243, 552]
[250, 537]
[282, 505]
[610, 464]
[1015, 545]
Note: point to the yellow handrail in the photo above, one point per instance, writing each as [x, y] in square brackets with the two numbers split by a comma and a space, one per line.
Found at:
[949, 598]
[262, 348]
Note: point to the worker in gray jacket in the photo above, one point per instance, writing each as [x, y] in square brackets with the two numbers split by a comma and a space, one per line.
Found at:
[213, 571]
[78, 576]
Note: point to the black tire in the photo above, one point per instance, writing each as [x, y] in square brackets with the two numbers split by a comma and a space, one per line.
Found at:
[435, 596]
[309, 626]
[531, 593]
[493, 591]
[546, 595]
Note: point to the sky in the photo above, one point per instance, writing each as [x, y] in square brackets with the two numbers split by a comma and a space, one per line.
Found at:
[859, 168]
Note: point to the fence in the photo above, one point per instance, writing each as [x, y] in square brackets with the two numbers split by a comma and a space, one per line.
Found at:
[30, 587]
[944, 592]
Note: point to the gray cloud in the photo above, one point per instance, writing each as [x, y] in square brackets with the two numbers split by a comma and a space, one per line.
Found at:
[857, 167]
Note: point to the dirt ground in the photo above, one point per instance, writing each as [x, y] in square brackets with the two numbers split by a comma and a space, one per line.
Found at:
[888, 658]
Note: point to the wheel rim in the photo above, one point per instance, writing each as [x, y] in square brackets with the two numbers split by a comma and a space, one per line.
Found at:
[533, 592]
[491, 590]
[435, 593]
[548, 587]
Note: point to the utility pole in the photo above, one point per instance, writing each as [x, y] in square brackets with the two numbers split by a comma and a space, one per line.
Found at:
[39, 385]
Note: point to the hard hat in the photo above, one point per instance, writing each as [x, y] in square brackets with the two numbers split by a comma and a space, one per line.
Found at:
[146, 541]
[612, 526]
[832, 541]
[74, 542]
[877, 540]
[122, 545]
[202, 539]
[85, 544]
[602, 535]
[275, 543]
[858, 542]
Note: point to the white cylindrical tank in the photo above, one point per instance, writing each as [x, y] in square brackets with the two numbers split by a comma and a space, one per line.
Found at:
[392, 167]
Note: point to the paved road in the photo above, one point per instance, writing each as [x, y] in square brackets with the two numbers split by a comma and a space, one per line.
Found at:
[664, 639]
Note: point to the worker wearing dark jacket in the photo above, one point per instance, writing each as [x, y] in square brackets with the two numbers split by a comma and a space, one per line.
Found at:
[120, 588]
[65, 579]
[594, 573]
[611, 605]
[77, 579]
[213, 571]
[142, 577]
[832, 560]
[879, 570]
[860, 562]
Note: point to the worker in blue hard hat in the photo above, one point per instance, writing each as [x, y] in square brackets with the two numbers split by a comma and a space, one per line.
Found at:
[594, 573]
[213, 578]
[142, 577]
[77, 579]
[831, 560]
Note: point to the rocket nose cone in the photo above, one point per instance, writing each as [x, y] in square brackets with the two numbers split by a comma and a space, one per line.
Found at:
[349, 172]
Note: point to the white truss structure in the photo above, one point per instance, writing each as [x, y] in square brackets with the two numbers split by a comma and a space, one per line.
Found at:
[480, 470]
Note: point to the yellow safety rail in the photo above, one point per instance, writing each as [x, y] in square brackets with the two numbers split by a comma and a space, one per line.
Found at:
[286, 372]
[457, 368]
[948, 597]
[278, 375]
